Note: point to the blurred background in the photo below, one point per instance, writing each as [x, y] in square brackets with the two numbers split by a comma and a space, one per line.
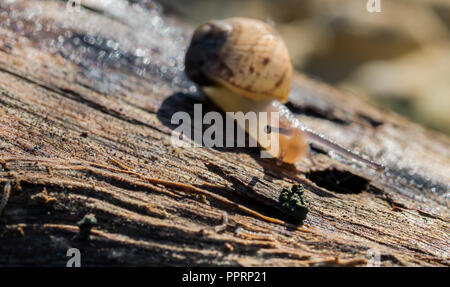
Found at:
[398, 58]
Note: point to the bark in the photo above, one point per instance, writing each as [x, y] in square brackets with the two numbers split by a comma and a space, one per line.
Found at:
[82, 133]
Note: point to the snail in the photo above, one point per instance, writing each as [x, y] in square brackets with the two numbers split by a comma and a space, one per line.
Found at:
[243, 65]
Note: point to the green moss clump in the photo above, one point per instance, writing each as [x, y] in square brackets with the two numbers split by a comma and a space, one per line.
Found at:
[88, 220]
[292, 201]
[85, 225]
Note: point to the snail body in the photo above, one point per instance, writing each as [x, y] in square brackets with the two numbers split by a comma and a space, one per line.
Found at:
[243, 65]
[289, 146]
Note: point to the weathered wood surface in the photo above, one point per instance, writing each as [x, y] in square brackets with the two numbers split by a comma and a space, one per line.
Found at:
[84, 133]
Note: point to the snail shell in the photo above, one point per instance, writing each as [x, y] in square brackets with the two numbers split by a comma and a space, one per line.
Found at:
[246, 56]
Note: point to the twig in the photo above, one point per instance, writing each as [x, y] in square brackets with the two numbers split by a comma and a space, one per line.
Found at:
[223, 226]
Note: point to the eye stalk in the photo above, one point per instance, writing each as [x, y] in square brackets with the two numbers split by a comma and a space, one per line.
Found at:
[243, 65]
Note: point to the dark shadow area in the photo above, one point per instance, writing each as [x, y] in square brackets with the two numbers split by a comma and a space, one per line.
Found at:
[338, 181]
[181, 102]
[372, 122]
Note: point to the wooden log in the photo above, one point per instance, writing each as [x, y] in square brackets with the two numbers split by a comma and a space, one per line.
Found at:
[86, 101]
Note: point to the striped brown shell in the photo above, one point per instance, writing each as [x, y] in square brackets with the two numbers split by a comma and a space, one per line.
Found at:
[244, 55]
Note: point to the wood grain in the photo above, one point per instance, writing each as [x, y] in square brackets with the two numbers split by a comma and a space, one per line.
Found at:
[81, 134]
